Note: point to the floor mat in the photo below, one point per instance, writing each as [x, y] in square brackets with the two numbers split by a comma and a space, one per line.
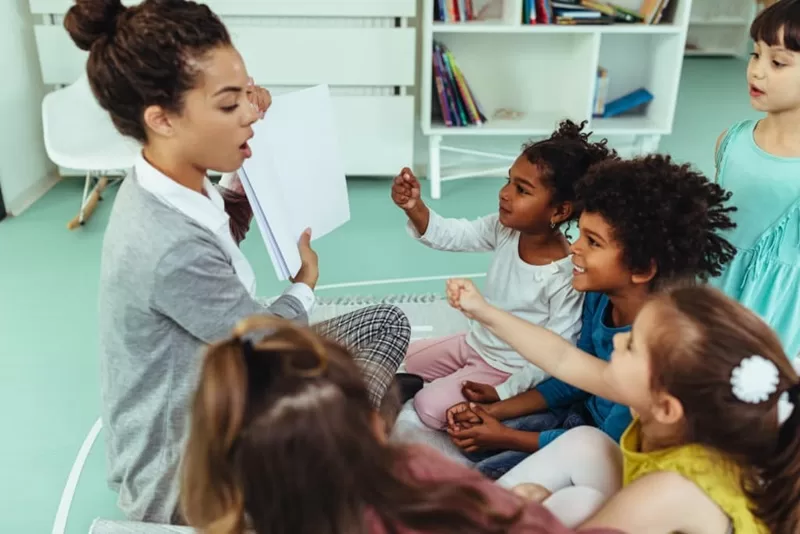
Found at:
[429, 315]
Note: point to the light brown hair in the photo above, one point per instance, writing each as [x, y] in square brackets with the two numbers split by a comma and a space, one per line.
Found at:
[282, 441]
[702, 337]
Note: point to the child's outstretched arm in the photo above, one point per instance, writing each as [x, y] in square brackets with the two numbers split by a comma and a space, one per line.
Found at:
[437, 232]
[538, 345]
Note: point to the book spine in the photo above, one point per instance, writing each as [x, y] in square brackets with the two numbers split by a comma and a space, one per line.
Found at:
[448, 89]
[451, 7]
[470, 10]
[472, 97]
[440, 90]
[601, 92]
[451, 74]
[440, 11]
[472, 111]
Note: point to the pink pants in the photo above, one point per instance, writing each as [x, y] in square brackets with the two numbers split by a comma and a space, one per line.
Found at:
[446, 363]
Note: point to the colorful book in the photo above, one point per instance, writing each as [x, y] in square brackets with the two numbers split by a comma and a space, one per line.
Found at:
[454, 99]
[453, 10]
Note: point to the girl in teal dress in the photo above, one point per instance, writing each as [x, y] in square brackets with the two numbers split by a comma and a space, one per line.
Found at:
[759, 162]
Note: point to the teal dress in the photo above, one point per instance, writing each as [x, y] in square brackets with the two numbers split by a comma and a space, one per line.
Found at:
[765, 273]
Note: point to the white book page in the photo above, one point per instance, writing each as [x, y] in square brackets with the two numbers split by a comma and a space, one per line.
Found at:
[301, 128]
[297, 171]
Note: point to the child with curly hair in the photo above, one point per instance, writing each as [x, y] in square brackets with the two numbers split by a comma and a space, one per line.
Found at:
[530, 273]
[759, 162]
[645, 222]
[714, 447]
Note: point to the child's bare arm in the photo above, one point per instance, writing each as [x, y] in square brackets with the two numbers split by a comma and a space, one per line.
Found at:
[538, 345]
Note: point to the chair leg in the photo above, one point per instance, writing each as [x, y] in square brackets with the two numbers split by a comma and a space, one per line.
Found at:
[89, 202]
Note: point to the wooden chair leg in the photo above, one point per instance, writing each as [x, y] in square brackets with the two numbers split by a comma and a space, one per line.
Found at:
[90, 205]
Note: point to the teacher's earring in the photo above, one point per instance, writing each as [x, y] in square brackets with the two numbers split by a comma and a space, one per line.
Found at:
[553, 225]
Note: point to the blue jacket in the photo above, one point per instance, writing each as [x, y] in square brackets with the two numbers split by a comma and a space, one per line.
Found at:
[596, 339]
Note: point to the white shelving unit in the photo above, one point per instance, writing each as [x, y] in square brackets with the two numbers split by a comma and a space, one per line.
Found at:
[365, 50]
[720, 28]
[548, 73]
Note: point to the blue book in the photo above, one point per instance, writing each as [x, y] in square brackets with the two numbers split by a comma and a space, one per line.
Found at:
[628, 102]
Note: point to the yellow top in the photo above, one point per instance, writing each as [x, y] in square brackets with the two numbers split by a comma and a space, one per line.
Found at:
[716, 476]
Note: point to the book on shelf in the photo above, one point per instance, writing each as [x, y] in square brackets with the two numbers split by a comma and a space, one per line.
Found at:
[453, 102]
[631, 102]
[600, 92]
[453, 10]
[589, 12]
[652, 11]
[288, 189]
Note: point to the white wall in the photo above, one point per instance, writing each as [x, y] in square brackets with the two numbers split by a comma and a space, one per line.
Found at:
[25, 170]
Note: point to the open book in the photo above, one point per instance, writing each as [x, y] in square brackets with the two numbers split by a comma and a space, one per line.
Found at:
[295, 177]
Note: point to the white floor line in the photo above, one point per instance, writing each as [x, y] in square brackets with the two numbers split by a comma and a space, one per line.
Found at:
[74, 475]
[398, 281]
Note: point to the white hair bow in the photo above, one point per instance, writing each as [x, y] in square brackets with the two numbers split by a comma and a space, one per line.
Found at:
[756, 378]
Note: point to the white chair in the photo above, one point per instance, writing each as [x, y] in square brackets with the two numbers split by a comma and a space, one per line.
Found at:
[79, 134]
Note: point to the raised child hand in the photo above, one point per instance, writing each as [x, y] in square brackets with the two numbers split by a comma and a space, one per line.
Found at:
[406, 190]
[465, 297]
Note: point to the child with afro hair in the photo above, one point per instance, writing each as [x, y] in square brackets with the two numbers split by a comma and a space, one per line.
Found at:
[645, 223]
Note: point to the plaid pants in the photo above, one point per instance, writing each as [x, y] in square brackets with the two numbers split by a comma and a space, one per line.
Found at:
[377, 337]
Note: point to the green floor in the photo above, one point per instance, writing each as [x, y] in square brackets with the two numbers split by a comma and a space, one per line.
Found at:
[49, 389]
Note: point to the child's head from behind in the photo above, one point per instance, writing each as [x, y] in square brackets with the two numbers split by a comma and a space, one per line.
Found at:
[706, 370]
[540, 192]
[284, 439]
[773, 73]
[648, 221]
[259, 393]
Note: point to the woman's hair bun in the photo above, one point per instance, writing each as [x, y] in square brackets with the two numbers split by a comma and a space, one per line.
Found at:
[89, 20]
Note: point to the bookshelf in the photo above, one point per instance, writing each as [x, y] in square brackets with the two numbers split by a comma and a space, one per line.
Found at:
[365, 50]
[719, 28]
[539, 74]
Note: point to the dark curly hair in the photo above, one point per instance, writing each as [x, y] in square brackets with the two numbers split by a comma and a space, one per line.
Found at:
[142, 55]
[783, 16]
[662, 212]
[565, 157]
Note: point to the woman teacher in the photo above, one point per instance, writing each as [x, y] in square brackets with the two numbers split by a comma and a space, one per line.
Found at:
[173, 278]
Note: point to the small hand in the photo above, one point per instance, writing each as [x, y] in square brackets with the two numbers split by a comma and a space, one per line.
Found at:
[309, 262]
[532, 492]
[260, 98]
[465, 297]
[406, 190]
[480, 393]
[489, 434]
[460, 416]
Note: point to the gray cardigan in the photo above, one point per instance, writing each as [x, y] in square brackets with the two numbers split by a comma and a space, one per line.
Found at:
[167, 288]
